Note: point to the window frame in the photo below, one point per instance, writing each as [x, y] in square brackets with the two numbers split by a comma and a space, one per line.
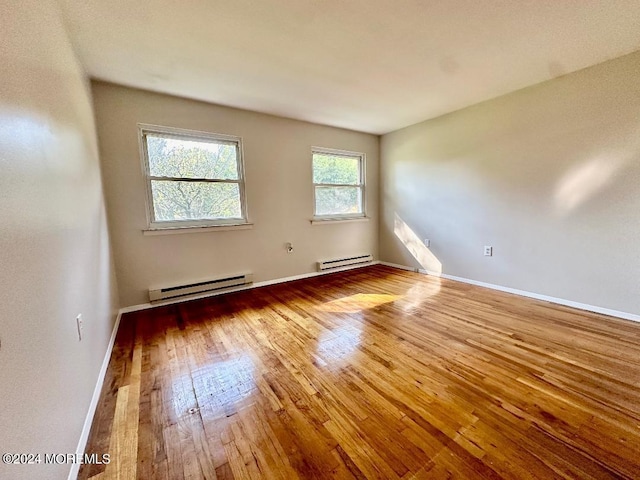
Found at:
[362, 185]
[190, 135]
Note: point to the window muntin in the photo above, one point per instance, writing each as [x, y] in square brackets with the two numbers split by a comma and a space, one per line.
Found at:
[338, 183]
[193, 178]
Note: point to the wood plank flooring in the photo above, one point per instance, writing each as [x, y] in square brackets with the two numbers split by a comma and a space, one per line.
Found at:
[372, 373]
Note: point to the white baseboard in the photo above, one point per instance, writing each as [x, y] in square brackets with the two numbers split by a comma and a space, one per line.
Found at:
[107, 357]
[144, 306]
[84, 436]
[398, 266]
[524, 293]
[88, 421]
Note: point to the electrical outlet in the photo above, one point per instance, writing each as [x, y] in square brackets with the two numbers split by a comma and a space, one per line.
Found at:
[79, 325]
[488, 251]
[427, 242]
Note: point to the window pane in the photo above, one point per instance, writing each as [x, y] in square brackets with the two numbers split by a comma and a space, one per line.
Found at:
[169, 157]
[338, 200]
[336, 169]
[175, 200]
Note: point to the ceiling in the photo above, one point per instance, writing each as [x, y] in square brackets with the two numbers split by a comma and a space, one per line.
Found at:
[368, 65]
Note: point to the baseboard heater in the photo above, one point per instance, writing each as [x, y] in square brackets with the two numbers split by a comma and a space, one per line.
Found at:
[211, 285]
[344, 262]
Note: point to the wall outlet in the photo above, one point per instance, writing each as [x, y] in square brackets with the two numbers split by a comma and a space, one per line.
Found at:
[80, 326]
[488, 251]
[427, 242]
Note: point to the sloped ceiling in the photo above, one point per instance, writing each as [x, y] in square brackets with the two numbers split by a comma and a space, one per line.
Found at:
[368, 65]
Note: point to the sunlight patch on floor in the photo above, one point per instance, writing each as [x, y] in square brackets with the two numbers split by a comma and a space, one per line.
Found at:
[358, 302]
[338, 344]
[416, 295]
[228, 382]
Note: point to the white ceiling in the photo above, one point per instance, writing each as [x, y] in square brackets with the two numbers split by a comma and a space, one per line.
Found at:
[369, 65]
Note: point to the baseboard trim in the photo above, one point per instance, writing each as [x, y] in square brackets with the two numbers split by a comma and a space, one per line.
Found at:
[523, 293]
[84, 437]
[399, 267]
[86, 429]
[265, 283]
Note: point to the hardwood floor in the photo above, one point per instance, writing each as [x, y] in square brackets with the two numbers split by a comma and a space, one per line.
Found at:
[372, 373]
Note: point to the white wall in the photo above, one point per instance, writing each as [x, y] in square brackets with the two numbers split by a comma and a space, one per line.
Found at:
[549, 176]
[55, 259]
[277, 159]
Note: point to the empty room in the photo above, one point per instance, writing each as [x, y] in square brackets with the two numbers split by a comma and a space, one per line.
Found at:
[295, 239]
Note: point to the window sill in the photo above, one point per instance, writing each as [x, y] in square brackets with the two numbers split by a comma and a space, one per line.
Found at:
[319, 221]
[196, 229]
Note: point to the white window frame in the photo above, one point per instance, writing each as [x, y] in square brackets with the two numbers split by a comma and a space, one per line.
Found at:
[362, 184]
[193, 135]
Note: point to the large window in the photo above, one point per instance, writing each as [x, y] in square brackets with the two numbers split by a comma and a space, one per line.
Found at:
[338, 183]
[193, 178]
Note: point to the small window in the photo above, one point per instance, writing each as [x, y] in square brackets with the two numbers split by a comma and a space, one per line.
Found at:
[338, 183]
[193, 178]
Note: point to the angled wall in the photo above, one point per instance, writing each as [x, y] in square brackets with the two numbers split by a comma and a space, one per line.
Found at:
[549, 176]
[55, 259]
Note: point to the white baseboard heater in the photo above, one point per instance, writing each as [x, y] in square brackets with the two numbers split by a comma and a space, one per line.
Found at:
[213, 284]
[344, 262]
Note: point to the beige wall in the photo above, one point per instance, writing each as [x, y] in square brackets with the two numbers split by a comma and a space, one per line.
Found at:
[55, 260]
[278, 185]
[549, 176]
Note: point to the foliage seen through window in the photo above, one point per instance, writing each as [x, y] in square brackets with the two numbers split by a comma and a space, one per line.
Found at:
[194, 180]
[339, 184]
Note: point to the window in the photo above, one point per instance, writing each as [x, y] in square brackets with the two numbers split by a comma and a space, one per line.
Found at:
[338, 183]
[193, 178]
